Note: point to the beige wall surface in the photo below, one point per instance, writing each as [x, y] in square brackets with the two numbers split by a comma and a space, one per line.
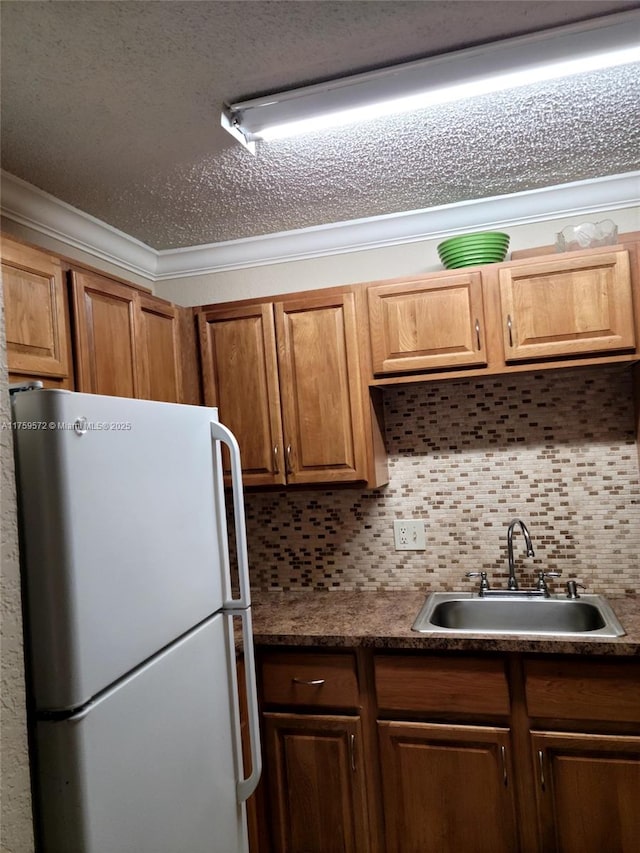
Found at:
[404, 259]
[16, 835]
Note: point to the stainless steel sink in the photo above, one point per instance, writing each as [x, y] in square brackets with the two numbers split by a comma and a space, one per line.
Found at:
[559, 616]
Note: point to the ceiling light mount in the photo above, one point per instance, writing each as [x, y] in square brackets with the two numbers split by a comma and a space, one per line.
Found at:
[525, 60]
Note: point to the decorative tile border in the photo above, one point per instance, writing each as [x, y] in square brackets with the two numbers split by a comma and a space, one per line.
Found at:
[555, 449]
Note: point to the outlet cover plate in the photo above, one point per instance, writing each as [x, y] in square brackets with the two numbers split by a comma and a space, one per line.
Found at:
[409, 535]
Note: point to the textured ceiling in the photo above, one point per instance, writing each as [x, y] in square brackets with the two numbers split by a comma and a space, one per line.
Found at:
[114, 108]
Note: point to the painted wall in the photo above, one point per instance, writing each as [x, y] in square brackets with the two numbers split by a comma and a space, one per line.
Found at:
[353, 267]
[15, 794]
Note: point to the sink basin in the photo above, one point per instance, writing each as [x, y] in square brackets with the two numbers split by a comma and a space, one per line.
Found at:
[557, 616]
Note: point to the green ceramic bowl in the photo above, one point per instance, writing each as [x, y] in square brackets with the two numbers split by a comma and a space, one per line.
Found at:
[487, 238]
[489, 247]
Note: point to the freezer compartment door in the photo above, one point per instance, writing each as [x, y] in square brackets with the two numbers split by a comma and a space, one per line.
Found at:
[123, 545]
[152, 766]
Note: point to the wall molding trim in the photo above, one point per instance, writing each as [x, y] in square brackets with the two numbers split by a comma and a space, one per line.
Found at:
[29, 206]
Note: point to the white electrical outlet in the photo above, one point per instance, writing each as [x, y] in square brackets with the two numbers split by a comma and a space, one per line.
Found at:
[408, 534]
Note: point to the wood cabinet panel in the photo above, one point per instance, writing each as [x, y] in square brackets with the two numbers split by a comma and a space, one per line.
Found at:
[567, 306]
[426, 324]
[322, 408]
[588, 792]
[575, 690]
[437, 685]
[35, 316]
[316, 784]
[318, 680]
[161, 377]
[240, 375]
[447, 788]
[107, 329]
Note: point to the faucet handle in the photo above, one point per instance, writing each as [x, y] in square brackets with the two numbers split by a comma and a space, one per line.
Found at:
[542, 580]
[572, 589]
[484, 583]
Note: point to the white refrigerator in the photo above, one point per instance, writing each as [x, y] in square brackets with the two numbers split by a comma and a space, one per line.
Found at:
[130, 634]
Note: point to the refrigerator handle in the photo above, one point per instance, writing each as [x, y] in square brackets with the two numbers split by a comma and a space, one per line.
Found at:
[219, 432]
[246, 787]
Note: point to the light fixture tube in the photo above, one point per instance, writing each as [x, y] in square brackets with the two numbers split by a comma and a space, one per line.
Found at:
[552, 54]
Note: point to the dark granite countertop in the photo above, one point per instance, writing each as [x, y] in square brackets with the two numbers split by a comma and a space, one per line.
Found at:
[382, 620]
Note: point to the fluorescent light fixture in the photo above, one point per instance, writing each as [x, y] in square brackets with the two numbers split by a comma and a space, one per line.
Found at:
[552, 54]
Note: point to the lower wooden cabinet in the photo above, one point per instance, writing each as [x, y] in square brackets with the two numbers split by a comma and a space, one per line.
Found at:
[447, 788]
[587, 792]
[449, 753]
[315, 781]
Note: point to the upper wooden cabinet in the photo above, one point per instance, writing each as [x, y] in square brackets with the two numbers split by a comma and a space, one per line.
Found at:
[286, 379]
[322, 408]
[559, 306]
[240, 375]
[161, 377]
[107, 334]
[35, 313]
[427, 323]
[127, 341]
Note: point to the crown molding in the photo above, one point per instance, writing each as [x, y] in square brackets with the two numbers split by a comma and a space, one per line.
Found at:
[42, 212]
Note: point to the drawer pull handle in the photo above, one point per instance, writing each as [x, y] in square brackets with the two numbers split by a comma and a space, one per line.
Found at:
[510, 328]
[541, 765]
[315, 682]
[503, 758]
[352, 751]
[478, 334]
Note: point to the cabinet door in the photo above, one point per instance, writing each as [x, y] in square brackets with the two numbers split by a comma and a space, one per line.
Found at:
[427, 324]
[316, 786]
[447, 788]
[161, 377]
[588, 791]
[35, 315]
[321, 391]
[567, 306]
[240, 374]
[107, 330]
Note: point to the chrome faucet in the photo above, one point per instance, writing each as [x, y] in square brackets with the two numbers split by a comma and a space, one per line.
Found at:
[513, 583]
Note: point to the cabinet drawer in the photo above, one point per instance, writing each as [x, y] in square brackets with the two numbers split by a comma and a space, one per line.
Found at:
[597, 690]
[316, 680]
[436, 685]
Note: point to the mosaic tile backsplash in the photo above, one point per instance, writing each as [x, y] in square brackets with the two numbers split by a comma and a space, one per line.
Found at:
[554, 449]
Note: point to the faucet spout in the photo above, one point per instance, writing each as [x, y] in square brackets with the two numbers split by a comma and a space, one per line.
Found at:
[512, 582]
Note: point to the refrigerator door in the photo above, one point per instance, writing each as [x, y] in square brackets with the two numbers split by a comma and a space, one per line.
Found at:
[152, 765]
[122, 533]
